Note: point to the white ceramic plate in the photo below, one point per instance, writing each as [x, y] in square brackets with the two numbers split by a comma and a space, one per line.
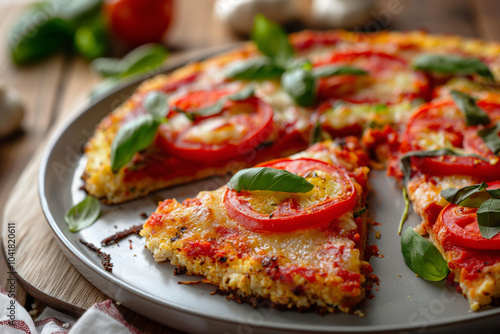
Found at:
[401, 303]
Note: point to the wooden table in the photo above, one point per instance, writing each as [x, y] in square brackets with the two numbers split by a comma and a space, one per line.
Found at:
[53, 88]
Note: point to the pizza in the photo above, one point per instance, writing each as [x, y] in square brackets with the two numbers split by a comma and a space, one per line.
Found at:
[425, 107]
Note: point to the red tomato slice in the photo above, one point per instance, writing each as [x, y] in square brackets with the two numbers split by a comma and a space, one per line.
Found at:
[436, 122]
[462, 228]
[288, 215]
[195, 101]
[247, 124]
[383, 71]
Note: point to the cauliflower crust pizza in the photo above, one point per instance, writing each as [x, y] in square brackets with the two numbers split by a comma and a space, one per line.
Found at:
[292, 229]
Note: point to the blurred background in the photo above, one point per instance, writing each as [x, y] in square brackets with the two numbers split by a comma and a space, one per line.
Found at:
[47, 50]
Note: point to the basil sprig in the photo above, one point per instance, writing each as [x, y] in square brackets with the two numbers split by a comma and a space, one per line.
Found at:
[452, 64]
[467, 105]
[422, 257]
[491, 138]
[487, 202]
[298, 78]
[406, 159]
[83, 214]
[138, 134]
[265, 178]
[405, 211]
[219, 105]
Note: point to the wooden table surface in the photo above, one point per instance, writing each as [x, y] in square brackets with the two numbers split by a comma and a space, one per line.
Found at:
[53, 88]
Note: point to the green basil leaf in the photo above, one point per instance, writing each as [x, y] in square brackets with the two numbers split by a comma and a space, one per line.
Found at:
[491, 138]
[256, 69]
[300, 84]
[272, 40]
[241, 95]
[77, 11]
[107, 67]
[132, 137]
[264, 178]
[405, 211]
[83, 214]
[359, 213]
[422, 257]
[328, 71]
[316, 134]
[452, 64]
[488, 218]
[145, 58]
[467, 105]
[471, 196]
[406, 159]
[156, 103]
[91, 39]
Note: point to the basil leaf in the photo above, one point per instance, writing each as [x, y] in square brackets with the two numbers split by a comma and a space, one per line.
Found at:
[272, 40]
[406, 159]
[467, 105]
[145, 58]
[328, 71]
[107, 67]
[300, 84]
[257, 69]
[316, 134]
[265, 178]
[491, 138]
[83, 214]
[405, 211]
[219, 105]
[422, 257]
[132, 137]
[452, 64]
[471, 196]
[156, 104]
[488, 218]
[91, 39]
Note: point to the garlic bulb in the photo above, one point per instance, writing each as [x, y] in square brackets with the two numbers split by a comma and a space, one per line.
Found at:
[239, 14]
[11, 110]
[341, 13]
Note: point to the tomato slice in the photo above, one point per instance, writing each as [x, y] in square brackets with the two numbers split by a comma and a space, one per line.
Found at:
[390, 79]
[462, 228]
[333, 195]
[197, 100]
[441, 124]
[237, 129]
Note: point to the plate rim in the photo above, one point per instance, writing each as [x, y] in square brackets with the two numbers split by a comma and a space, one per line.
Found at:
[69, 249]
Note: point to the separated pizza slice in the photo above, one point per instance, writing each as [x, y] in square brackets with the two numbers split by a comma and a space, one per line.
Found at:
[291, 231]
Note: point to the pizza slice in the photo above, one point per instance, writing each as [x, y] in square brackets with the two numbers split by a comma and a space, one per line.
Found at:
[445, 147]
[299, 250]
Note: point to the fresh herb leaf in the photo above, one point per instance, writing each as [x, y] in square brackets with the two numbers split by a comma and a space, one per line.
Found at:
[241, 95]
[359, 213]
[471, 196]
[406, 159]
[132, 137]
[405, 211]
[316, 134]
[83, 214]
[145, 58]
[467, 105]
[272, 40]
[488, 218]
[491, 138]
[328, 71]
[91, 38]
[108, 67]
[264, 178]
[156, 104]
[422, 257]
[257, 69]
[452, 64]
[300, 84]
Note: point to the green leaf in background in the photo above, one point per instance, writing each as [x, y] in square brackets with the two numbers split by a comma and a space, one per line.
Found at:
[452, 64]
[264, 178]
[422, 257]
[133, 136]
[83, 214]
[328, 71]
[91, 39]
[405, 211]
[470, 196]
[488, 218]
[156, 104]
[272, 40]
[256, 69]
[491, 138]
[467, 105]
[300, 84]
[316, 133]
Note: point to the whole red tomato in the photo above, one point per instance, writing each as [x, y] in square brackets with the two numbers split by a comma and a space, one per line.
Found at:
[137, 22]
